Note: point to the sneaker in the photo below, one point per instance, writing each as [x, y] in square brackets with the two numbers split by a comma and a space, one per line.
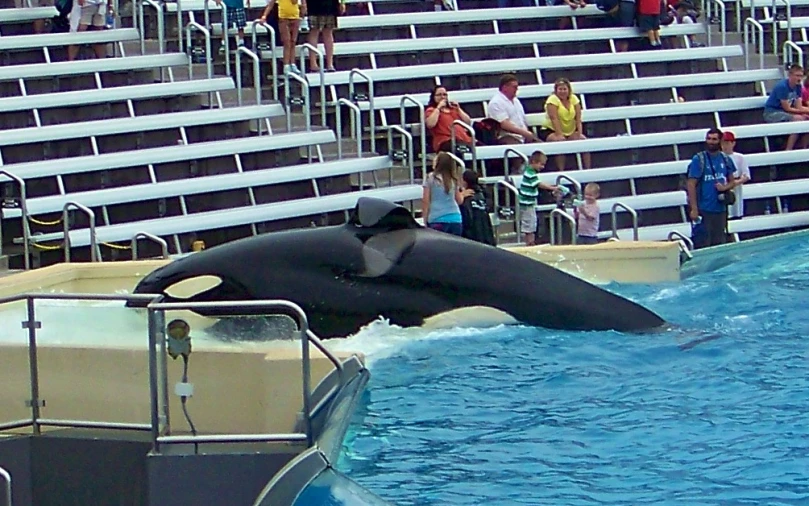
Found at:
[331, 69]
[294, 68]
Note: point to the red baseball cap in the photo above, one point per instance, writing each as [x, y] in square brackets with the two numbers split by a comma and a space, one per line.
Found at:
[728, 136]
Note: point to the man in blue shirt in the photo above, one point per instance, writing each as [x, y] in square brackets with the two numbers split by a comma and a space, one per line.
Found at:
[784, 104]
[710, 173]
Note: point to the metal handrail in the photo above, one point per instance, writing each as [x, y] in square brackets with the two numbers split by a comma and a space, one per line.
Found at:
[355, 110]
[685, 242]
[457, 159]
[572, 181]
[721, 7]
[156, 312]
[319, 53]
[406, 137]
[506, 163]
[273, 48]
[225, 29]
[371, 112]
[423, 140]
[66, 229]
[471, 131]
[160, 25]
[146, 235]
[512, 189]
[750, 37]
[307, 114]
[7, 479]
[793, 48]
[26, 231]
[208, 63]
[632, 212]
[256, 73]
[179, 25]
[558, 214]
[328, 354]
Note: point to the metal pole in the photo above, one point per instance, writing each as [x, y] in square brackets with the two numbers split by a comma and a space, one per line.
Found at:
[32, 325]
[7, 478]
[153, 331]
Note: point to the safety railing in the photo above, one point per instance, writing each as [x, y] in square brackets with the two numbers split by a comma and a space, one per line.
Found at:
[461, 163]
[273, 48]
[256, 73]
[164, 247]
[720, 20]
[192, 24]
[576, 184]
[506, 162]
[94, 256]
[305, 48]
[685, 242]
[161, 28]
[790, 49]
[356, 124]
[632, 212]
[753, 32]
[160, 417]
[472, 148]
[6, 484]
[26, 231]
[406, 153]
[773, 19]
[511, 191]
[557, 219]
[304, 100]
[354, 98]
[423, 134]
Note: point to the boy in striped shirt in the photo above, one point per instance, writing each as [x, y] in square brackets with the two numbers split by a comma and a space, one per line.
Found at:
[528, 193]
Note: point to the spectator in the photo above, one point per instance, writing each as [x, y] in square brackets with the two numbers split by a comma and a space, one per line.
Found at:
[742, 174]
[784, 104]
[234, 15]
[506, 109]
[564, 23]
[528, 194]
[619, 13]
[39, 24]
[477, 225]
[563, 120]
[442, 196]
[289, 20]
[710, 174]
[588, 215]
[323, 19]
[684, 13]
[84, 14]
[441, 112]
[648, 14]
[502, 4]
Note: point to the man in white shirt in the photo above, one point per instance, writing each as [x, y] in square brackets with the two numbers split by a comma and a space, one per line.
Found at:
[742, 174]
[505, 108]
[88, 13]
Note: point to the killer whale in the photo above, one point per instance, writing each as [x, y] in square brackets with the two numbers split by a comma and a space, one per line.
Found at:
[383, 263]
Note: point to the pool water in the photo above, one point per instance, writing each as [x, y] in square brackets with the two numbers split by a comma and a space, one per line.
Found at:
[713, 412]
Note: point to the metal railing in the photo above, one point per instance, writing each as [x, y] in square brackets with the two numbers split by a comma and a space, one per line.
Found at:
[305, 48]
[273, 48]
[190, 48]
[685, 242]
[751, 26]
[407, 149]
[161, 28]
[6, 484]
[164, 247]
[26, 231]
[289, 100]
[356, 124]
[572, 181]
[722, 30]
[91, 216]
[510, 190]
[560, 215]
[352, 96]
[632, 212]
[793, 49]
[506, 162]
[472, 148]
[423, 135]
[160, 417]
[256, 73]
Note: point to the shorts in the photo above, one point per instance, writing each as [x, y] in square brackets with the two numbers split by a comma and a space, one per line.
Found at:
[528, 219]
[586, 240]
[88, 15]
[775, 116]
[648, 22]
[625, 15]
[449, 228]
[236, 16]
[322, 22]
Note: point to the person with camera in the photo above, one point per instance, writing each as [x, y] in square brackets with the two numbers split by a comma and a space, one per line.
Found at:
[439, 117]
[709, 188]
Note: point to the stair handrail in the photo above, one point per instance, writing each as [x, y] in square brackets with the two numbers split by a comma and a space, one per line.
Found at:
[632, 212]
[66, 229]
[506, 152]
[164, 247]
[407, 137]
[422, 127]
[511, 189]
[471, 131]
[371, 112]
[685, 242]
[309, 47]
[26, 231]
[207, 33]
[273, 66]
[750, 37]
[160, 25]
[7, 484]
[357, 124]
[256, 73]
[793, 48]
[561, 214]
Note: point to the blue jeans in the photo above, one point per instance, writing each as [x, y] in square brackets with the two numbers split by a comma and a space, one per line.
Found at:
[449, 228]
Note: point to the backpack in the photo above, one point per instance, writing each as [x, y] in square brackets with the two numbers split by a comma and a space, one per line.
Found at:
[726, 197]
[487, 131]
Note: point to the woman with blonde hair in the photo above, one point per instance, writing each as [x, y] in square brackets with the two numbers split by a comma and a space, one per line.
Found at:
[563, 120]
[440, 204]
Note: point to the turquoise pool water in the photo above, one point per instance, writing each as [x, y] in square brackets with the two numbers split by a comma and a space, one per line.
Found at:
[715, 412]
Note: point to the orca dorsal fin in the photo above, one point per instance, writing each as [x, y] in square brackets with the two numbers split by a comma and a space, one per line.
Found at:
[374, 212]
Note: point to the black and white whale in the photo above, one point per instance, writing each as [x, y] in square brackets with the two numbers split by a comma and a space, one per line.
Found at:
[383, 263]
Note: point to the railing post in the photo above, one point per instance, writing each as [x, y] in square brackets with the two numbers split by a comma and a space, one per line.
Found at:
[32, 325]
[634, 215]
[505, 159]
[371, 110]
[273, 66]
[560, 214]
[26, 231]
[471, 131]
[155, 331]
[407, 137]
[309, 47]
[146, 235]
[66, 229]
[7, 479]
[422, 127]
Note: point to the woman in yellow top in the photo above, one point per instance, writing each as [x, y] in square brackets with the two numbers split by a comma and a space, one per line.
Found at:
[563, 120]
[289, 20]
